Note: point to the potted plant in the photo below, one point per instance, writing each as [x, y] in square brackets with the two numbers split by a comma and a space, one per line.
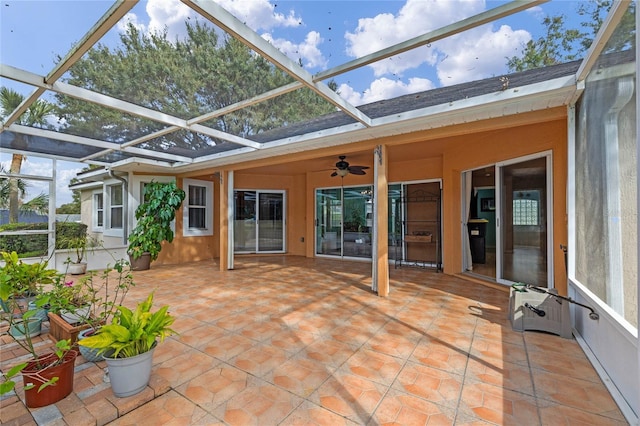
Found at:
[110, 288]
[78, 244]
[41, 371]
[20, 282]
[128, 343]
[154, 215]
[87, 303]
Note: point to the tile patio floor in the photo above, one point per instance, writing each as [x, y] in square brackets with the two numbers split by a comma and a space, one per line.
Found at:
[296, 341]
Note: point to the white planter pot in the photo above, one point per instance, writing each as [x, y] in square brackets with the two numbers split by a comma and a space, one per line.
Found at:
[129, 376]
[77, 268]
[75, 316]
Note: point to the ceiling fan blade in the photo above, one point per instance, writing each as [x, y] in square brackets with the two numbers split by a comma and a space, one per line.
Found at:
[356, 171]
[358, 167]
[334, 174]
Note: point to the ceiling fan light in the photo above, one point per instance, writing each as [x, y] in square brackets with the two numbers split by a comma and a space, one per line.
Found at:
[342, 172]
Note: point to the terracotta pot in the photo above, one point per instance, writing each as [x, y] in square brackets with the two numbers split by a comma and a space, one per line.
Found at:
[35, 374]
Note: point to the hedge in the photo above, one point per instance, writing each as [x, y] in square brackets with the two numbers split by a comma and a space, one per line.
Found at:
[36, 244]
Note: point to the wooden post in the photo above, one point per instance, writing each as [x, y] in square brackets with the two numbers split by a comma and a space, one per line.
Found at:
[381, 256]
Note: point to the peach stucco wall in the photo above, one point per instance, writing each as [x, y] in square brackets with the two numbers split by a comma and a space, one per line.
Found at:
[439, 154]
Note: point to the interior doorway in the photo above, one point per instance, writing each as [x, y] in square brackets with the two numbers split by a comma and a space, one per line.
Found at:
[507, 232]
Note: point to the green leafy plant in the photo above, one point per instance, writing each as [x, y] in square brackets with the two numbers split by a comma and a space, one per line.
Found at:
[154, 216]
[19, 279]
[79, 245]
[132, 333]
[103, 291]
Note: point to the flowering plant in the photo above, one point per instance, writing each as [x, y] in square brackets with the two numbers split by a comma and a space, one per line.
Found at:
[101, 292]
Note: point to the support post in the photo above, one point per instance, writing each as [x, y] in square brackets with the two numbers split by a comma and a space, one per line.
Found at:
[380, 273]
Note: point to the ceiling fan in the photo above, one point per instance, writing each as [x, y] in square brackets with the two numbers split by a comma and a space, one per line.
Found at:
[343, 168]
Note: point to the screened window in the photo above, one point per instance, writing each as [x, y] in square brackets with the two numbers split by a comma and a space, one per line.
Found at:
[98, 210]
[198, 208]
[116, 207]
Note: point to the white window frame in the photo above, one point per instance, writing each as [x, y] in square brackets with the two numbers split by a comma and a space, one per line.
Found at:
[194, 232]
[108, 230]
[95, 226]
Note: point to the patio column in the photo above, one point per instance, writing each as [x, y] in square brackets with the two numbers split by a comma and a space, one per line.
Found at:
[226, 229]
[380, 273]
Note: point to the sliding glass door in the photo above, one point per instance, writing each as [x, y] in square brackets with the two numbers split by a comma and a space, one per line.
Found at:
[507, 213]
[344, 220]
[259, 222]
[522, 223]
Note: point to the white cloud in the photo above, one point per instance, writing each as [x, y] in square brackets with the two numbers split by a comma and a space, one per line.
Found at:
[260, 14]
[171, 15]
[471, 55]
[384, 88]
[479, 54]
[308, 50]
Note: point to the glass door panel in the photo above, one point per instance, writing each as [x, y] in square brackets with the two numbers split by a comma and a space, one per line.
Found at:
[329, 221]
[395, 221]
[270, 222]
[244, 221]
[523, 222]
[358, 221]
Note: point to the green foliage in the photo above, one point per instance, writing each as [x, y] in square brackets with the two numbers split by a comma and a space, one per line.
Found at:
[154, 215]
[132, 333]
[7, 384]
[25, 245]
[561, 44]
[190, 76]
[103, 291]
[18, 278]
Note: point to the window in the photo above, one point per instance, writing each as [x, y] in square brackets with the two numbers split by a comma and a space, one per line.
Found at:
[198, 208]
[526, 208]
[98, 211]
[114, 219]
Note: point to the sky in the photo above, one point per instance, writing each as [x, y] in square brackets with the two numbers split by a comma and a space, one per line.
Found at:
[320, 34]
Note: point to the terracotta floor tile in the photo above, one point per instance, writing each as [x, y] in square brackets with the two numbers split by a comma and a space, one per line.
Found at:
[398, 408]
[436, 354]
[260, 359]
[260, 403]
[201, 336]
[228, 346]
[554, 414]
[349, 396]
[292, 341]
[497, 405]
[492, 349]
[299, 375]
[428, 383]
[215, 387]
[374, 366]
[318, 347]
[392, 344]
[184, 367]
[580, 394]
[309, 414]
[507, 375]
[329, 352]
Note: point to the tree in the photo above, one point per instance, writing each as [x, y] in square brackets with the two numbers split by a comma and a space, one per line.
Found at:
[36, 114]
[186, 78]
[561, 44]
[39, 204]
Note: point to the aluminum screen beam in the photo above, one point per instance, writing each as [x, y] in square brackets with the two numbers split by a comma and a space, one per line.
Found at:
[430, 37]
[229, 23]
